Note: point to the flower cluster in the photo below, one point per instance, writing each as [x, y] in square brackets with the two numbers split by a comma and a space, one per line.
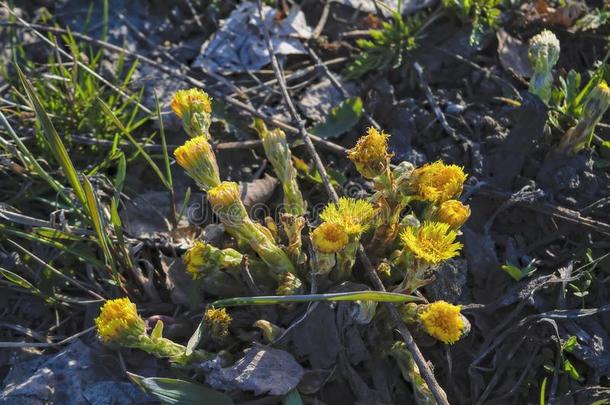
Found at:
[409, 226]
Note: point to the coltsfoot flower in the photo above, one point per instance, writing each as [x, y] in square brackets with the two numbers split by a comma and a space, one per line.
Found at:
[453, 212]
[370, 155]
[437, 182]
[442, 321]
[218, 321]
[119, 322]
[197, 158]
[194, 107]
[354, 215]
[432, 242]
[329, 237]
[543, 54]
[226, 203]
[203, 259]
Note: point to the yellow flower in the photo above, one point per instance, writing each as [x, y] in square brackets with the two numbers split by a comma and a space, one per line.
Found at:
[197, 158]
[431, 242]
[224, 196]
[354, 215]
[453, 212]
[443, 321]
[217, 321]
[437, 182]
[191, 99]
[118, 321]
[203, 258]
[370, 155]
[329, 237]
[195, 109]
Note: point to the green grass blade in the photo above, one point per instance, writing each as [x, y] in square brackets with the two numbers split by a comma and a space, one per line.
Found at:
[56, 145]
[21, 282]
[135, 143]
[377, 296]
[32, 163]
[97, 220]
[52, 243]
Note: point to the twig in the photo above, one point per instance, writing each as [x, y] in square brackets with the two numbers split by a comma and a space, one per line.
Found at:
[322, 22]
[175, 72]
[194, 12]
[14, 345]
[432, 101]
[337, 84]
[57, 272]
[557, 211]
[424, 368]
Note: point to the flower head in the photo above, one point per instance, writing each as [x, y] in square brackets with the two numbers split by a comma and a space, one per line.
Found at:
[225, 201]
[354, 215]
[118, 321]
[443, 321]
[190, 99]
[437, 182]
[203, 258]
[329, 237]
[432, 242]
[453, 212]
[543, 51]
[370, 155]
[218, 320]
[197, 158]
[194, 107]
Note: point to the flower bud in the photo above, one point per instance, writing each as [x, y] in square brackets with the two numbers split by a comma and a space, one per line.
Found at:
[194, 107]
[453, 213]
[204, 259]
[278, 152]
[370, 155]
[217, 322]
[197, 158]
[543, 54]
[119, 322]
[442, 321]
[289, 284]
[594, 108]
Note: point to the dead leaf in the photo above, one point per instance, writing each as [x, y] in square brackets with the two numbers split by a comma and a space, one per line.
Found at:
[258, 191]
[262, 370]
[177, 281]
[513, 55]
